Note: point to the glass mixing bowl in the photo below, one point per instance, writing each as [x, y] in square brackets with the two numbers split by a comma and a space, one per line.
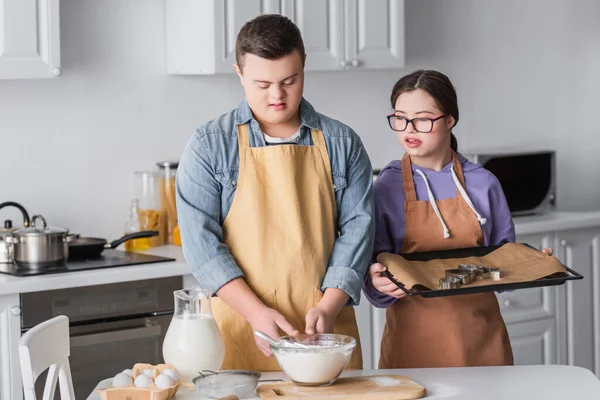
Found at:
[320, 364]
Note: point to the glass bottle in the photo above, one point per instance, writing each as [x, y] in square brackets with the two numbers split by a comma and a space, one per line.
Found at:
[132, 226]
[152, 217]
[168, 170]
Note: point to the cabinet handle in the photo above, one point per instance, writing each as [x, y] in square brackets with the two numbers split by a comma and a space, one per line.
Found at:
[563, 243]
[355, 63]
[344, 64]
[15, 311]
[507, 303]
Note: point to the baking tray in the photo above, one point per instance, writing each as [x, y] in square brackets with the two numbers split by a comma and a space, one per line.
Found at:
[475, 252]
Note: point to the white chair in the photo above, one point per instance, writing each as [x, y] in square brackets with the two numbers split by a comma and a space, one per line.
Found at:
[46, 346]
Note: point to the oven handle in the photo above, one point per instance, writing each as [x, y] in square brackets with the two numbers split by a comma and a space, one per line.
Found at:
[116, 336]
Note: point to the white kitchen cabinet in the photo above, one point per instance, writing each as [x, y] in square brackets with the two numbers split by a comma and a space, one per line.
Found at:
[338, 34]
[374, 33]
[363, 319]
[10, 333]
[580, 250]
[29, 39]
[322, 25]
[201, 35]
[343, 34]
[530, 304]
[533, 343]
[377, 332]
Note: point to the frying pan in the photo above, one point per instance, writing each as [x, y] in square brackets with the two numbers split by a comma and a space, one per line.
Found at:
[86, 247]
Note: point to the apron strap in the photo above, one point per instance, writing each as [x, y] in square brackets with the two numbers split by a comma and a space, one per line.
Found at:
[243, 141]
[410, 193]
[408, 183]
[458, 169]
[319, 142]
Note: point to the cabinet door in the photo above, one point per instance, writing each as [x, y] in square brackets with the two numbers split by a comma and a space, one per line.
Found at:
[533, 343]
[10, 333]
[231, 15]
[322, 25]
[374, 33]
[580, 250]
[377, 332]
[364, 321]
[29, 39]
[529, 304]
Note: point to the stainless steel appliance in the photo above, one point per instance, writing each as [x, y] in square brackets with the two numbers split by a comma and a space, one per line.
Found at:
[527, 177]
[108, 259]
[111, 326]
[39, 247]
[6, 248]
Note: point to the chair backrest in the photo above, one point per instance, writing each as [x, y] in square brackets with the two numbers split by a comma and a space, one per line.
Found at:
[46, 347]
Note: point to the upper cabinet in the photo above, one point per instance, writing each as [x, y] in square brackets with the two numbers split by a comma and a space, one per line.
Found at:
[29, 39]
[338, 34]
[201, 34]
[374, 35]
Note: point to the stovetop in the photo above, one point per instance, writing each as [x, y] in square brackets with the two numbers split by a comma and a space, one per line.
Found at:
[108, 259]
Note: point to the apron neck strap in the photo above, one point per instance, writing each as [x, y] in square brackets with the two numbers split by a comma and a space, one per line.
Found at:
[317, 138]
[458, 169]
[410, 194]
[243, 138]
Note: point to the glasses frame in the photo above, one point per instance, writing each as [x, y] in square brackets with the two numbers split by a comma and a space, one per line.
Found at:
[410, 121]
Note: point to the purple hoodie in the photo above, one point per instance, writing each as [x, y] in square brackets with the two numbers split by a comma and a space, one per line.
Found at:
[482, 187]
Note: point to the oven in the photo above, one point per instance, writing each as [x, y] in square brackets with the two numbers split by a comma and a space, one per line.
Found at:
[112, 326]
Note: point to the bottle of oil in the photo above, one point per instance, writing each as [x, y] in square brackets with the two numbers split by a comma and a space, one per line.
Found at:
[133, 225]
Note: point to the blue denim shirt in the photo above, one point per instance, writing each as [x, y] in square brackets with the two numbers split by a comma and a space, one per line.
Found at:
[206, 185]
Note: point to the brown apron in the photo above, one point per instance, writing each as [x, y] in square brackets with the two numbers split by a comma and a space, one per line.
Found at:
[464, 330]
[281, 230]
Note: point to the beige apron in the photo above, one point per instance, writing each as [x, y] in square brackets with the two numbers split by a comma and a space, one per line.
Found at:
[281, 230]
[464, 330]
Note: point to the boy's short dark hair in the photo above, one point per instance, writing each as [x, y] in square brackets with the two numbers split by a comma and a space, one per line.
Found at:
[269, 36]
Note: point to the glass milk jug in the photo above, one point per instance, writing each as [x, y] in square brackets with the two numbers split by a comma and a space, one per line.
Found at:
[193, 341]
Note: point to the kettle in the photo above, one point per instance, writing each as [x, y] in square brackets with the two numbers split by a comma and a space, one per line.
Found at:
[6, 248]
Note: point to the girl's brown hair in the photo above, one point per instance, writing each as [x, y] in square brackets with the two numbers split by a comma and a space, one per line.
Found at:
[438, 86]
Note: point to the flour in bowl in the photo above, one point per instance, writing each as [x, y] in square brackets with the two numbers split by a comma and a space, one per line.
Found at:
[313, 367]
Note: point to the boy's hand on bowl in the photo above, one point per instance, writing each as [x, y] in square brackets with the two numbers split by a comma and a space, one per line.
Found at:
[318, 320]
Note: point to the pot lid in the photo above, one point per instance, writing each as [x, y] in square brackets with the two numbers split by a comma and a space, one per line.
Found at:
[40, 229]
[168, 164]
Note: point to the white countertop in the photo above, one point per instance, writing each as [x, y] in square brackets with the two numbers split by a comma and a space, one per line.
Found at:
[556, 221]
[12, 284]
[546, 382]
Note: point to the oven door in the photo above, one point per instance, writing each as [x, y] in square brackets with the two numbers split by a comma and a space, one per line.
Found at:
[101, 350]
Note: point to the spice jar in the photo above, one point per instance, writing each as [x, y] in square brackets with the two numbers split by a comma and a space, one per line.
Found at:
[168, 170]
[151, 215]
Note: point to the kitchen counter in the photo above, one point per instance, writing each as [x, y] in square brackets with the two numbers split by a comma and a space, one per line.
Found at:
[556, 221]
[519, 382]
[14, 285]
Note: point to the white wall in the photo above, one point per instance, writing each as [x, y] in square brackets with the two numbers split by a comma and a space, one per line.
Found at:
[69, 146]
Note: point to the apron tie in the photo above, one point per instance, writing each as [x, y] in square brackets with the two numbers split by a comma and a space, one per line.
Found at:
[434, 204]
[463, 193]
[465, 196]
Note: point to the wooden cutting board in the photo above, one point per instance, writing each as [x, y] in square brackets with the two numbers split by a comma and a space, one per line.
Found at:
[379, 387]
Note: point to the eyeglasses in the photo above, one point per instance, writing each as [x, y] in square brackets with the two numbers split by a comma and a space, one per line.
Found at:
[422, 125]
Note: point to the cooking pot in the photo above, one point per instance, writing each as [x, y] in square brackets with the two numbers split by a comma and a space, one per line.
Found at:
[6, 249]
[37, 247]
